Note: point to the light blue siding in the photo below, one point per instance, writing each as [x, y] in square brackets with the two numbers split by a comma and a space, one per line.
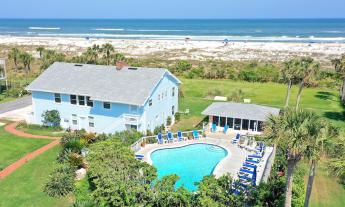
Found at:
[118, 118]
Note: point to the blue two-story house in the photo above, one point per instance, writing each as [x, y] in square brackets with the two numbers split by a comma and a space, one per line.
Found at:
[105, 99]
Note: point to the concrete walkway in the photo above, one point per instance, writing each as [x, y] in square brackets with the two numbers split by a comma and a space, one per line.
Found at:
[11, 128]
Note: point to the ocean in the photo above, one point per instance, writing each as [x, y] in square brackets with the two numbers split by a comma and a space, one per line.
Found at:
[261, 30]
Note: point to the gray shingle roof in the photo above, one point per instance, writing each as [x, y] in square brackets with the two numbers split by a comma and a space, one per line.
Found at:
[103, 83]
[240, 110]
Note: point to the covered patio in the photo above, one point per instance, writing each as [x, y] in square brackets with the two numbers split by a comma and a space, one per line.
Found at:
[238, 117]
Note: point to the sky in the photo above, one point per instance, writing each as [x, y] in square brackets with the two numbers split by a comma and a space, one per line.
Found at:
[172, 9]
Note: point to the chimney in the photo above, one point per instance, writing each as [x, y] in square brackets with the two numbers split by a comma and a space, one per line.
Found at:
[120, 65]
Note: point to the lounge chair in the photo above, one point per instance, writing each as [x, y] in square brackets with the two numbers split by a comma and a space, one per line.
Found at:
[255, 156]
[195, 134]
[214, 128]
[253, 161]
[236, 139]
[160, 138]
[226, 127]
[139, 157]
[180, 136]
[170, 137]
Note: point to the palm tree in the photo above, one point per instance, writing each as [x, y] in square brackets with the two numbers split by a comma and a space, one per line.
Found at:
[107, 49]
[320, 132]
[339, 66]
[14, 55]
[288, 74]
[26, 58]
[92, 54]
[306, 69]
[40, 50]
[290, 132]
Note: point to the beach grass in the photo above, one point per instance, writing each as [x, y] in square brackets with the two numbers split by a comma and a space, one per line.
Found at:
[12, 147]
[24, 187]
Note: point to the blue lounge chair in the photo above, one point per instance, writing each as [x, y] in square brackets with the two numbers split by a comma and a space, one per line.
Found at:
[247, 172]
[253, 161]
[255, 156]
[160, 138]
[180, 136]
[249, 166]
[245, 178]
[139, 157]
[236, 139]
[196, 134]
[170, 137]
[214, 128]
[226, 127]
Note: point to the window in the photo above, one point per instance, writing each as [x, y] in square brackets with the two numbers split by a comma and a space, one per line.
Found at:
[106, 105]
[74, 119]
[91, 122]
[173, 92]
[73, 99]
[135, 127]
[150, 102]
[57, 97]
[89, 102]
[173, 110]
[166, 93]
[159, 97]
[81, 100]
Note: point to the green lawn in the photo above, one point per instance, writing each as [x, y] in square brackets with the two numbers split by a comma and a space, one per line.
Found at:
[12, 147]
[323, 101]
[327, 192]
[24, 186]
[40, 130]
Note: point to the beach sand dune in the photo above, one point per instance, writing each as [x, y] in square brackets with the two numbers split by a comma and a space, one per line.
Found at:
[194, 50]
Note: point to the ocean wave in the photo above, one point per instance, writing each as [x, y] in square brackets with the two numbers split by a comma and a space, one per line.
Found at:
[157, 30]
[333, 31]
[44, 28]
[108, 29]
[200, 38]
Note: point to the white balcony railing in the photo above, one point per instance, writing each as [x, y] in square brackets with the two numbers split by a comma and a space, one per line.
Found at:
[132, 119]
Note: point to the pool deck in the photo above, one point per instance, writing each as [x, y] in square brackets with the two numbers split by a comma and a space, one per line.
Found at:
[230, 164]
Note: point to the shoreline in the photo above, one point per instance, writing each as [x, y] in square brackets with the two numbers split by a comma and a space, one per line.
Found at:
[201, 50]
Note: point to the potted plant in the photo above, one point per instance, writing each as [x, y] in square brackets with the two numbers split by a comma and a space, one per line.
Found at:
[142, 144]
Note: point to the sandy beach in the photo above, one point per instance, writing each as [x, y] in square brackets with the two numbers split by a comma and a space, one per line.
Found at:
[180, 49]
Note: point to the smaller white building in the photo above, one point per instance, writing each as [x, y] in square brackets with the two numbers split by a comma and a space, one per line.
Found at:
[238, 117]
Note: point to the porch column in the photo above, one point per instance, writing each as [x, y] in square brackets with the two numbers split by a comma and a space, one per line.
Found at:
[226, 121]
[210, 120]
[218, 121]
[241, 123]
[233, 123]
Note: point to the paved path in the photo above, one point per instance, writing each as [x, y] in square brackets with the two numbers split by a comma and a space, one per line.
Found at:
[11, 128]
[16, 104]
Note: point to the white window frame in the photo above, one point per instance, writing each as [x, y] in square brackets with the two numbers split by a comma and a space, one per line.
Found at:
[76, 99]
[91, 122]
[76, 119]
[84, 99]
[173, 92]
[150, 102]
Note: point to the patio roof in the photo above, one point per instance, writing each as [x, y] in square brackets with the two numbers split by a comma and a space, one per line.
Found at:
[240, 110]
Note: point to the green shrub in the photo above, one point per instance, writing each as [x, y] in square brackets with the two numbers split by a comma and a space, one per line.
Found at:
[169, 120]
[182, 66]
[177, 116]
[51, 118]
[61, 182]
[159, 129]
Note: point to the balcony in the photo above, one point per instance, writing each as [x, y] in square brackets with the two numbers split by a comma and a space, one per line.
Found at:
[132, 119]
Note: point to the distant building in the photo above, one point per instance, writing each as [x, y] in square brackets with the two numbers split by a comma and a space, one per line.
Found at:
[239, 117]
[105, 99]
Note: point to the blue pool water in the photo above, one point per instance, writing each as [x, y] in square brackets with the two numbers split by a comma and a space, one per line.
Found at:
[191, 163]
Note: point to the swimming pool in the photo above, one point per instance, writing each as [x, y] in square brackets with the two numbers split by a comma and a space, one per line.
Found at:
[191, 163]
